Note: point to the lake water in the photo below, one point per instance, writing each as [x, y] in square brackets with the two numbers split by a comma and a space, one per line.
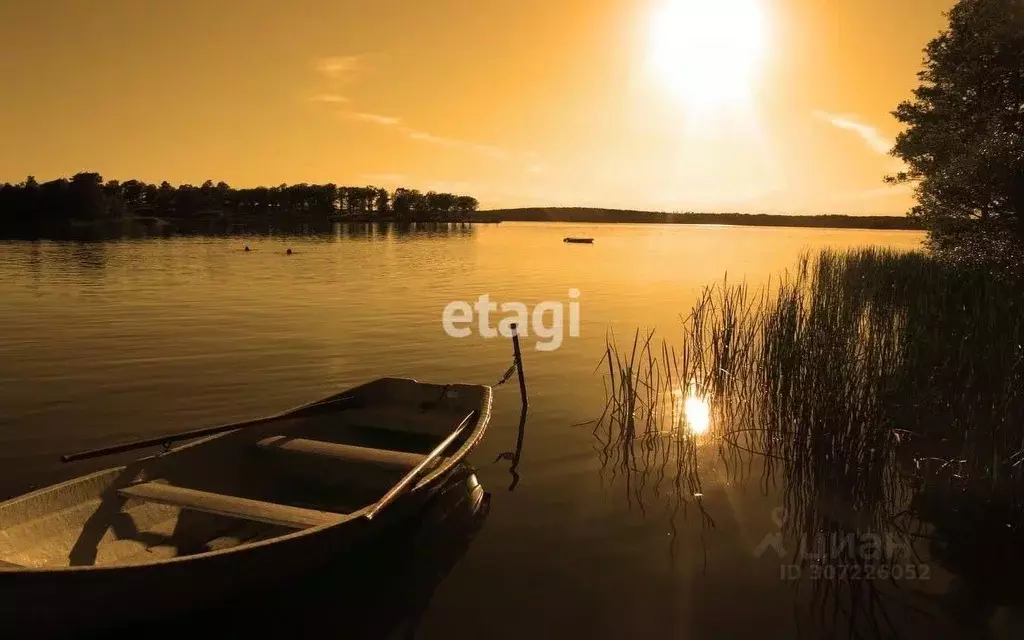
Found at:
[106, 342]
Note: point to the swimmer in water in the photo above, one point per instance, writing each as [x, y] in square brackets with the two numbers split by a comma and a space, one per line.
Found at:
[288, 252]
[246, 247]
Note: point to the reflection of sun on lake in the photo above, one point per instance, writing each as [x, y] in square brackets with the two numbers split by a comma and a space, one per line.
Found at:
[698, 414]
[693, 409]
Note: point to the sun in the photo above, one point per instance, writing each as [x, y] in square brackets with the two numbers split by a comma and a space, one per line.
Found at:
[708, 53]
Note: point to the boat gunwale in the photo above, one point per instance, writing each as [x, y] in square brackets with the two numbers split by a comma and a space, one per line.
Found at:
[483, 416]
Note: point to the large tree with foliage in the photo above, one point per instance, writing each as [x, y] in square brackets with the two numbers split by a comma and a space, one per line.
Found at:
[964, 138]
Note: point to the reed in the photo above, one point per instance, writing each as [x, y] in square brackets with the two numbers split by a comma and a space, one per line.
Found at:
[882, 392]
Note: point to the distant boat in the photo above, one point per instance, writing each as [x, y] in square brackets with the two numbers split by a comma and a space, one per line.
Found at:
[253, 504]
[579, 240]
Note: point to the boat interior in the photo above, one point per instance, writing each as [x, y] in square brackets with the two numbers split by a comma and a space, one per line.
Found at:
[323, 464]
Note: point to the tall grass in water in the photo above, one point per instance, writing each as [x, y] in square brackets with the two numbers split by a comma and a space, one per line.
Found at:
[883, 390]
[657, 415]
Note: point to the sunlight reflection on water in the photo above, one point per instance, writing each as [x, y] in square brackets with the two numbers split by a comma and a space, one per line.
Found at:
[102, 343]
[692, 410]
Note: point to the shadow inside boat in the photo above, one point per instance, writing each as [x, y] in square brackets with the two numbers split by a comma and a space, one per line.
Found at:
[378, 591]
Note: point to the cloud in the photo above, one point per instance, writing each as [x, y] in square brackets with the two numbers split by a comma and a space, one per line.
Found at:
[329, 98]
[871, 136]
[481, 149]
[429, 138]
[374, 118]
[338, 67]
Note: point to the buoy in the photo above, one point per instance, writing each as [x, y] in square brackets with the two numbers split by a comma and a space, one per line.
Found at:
[246, 247]
[289, 252]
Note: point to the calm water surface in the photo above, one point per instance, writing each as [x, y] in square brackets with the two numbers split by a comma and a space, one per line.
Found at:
[106, 342]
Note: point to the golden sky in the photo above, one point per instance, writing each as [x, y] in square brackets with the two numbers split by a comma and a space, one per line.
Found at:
[617, 103]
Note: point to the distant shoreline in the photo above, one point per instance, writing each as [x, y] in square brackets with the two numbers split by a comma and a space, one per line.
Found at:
[475, 218]
[150, 225]
[620, 216]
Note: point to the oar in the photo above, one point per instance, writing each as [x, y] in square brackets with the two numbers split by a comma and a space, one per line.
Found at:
[404, 483]
[199, 433]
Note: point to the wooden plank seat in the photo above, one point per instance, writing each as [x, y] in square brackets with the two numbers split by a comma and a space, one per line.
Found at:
[231, 506]
[402, 460]
[401, 420]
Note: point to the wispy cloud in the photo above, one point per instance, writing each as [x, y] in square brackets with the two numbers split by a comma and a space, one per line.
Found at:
[374, 118]
[871, 136]
[338, 67]
[341, 68]
[481, 149]
[329, 98]
[486, 150]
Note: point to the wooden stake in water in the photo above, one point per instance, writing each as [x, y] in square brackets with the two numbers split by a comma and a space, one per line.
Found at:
[519, 365]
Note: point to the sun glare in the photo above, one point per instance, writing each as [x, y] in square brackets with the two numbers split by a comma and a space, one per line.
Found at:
[708, 53]
[693, 409]
[698, 414]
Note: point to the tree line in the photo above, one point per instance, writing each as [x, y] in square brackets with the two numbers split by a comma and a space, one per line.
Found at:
[87, 197]
[592, 215]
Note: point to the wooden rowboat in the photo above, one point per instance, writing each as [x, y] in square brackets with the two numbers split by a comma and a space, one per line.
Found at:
[380, 592]
[243, 507]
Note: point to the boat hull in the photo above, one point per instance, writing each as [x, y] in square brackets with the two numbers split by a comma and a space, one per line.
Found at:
[91, 553]
[72, 601]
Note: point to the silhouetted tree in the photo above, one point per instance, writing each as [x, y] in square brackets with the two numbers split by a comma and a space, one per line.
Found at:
[133, 191]
[964, 142]
[224, 197]
[151, 195]
[28, 199]
[188, 200]
[112, 188]
[327, 198]
[53, 199]
[113, 199]
[441, 204]
[382, 202]
[165, 197]
[208, 196]
[467, 204]
[409, 203]
[419, 203]
[87, 197]
[355, 200]
[361, 199]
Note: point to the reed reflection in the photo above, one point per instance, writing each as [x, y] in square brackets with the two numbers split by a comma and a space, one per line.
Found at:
[839, 387]
[650, 433]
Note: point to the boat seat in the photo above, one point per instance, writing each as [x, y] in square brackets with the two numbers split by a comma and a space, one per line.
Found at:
[402, 460]
[403, 420]
[269, 512]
